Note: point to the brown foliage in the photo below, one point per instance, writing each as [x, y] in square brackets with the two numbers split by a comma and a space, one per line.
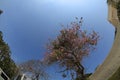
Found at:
[70, 46]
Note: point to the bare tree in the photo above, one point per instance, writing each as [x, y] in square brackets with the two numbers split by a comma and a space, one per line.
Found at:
[35, 69]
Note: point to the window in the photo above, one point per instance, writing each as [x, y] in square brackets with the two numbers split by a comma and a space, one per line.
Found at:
[4, 76]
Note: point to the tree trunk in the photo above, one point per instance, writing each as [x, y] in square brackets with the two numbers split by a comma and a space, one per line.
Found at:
[80, 71]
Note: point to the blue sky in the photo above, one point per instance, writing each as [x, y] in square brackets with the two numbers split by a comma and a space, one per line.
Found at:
[28, 24]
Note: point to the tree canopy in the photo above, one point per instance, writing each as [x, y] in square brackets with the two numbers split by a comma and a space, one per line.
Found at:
[1, 11]
[6, 63]
[70, 47]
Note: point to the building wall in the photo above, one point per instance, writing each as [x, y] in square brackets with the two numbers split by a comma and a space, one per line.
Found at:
[112, 61]
[112, 15]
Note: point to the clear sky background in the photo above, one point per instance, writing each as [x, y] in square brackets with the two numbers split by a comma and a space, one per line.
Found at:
[28, 24]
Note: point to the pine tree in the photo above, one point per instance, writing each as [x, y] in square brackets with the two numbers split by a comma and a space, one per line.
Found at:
[6, 63]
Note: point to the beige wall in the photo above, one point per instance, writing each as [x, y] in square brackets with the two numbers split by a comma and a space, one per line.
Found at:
[112, 62]
[112, 15]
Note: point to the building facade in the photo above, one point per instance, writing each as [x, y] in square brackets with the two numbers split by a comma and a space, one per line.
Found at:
[112, 61]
